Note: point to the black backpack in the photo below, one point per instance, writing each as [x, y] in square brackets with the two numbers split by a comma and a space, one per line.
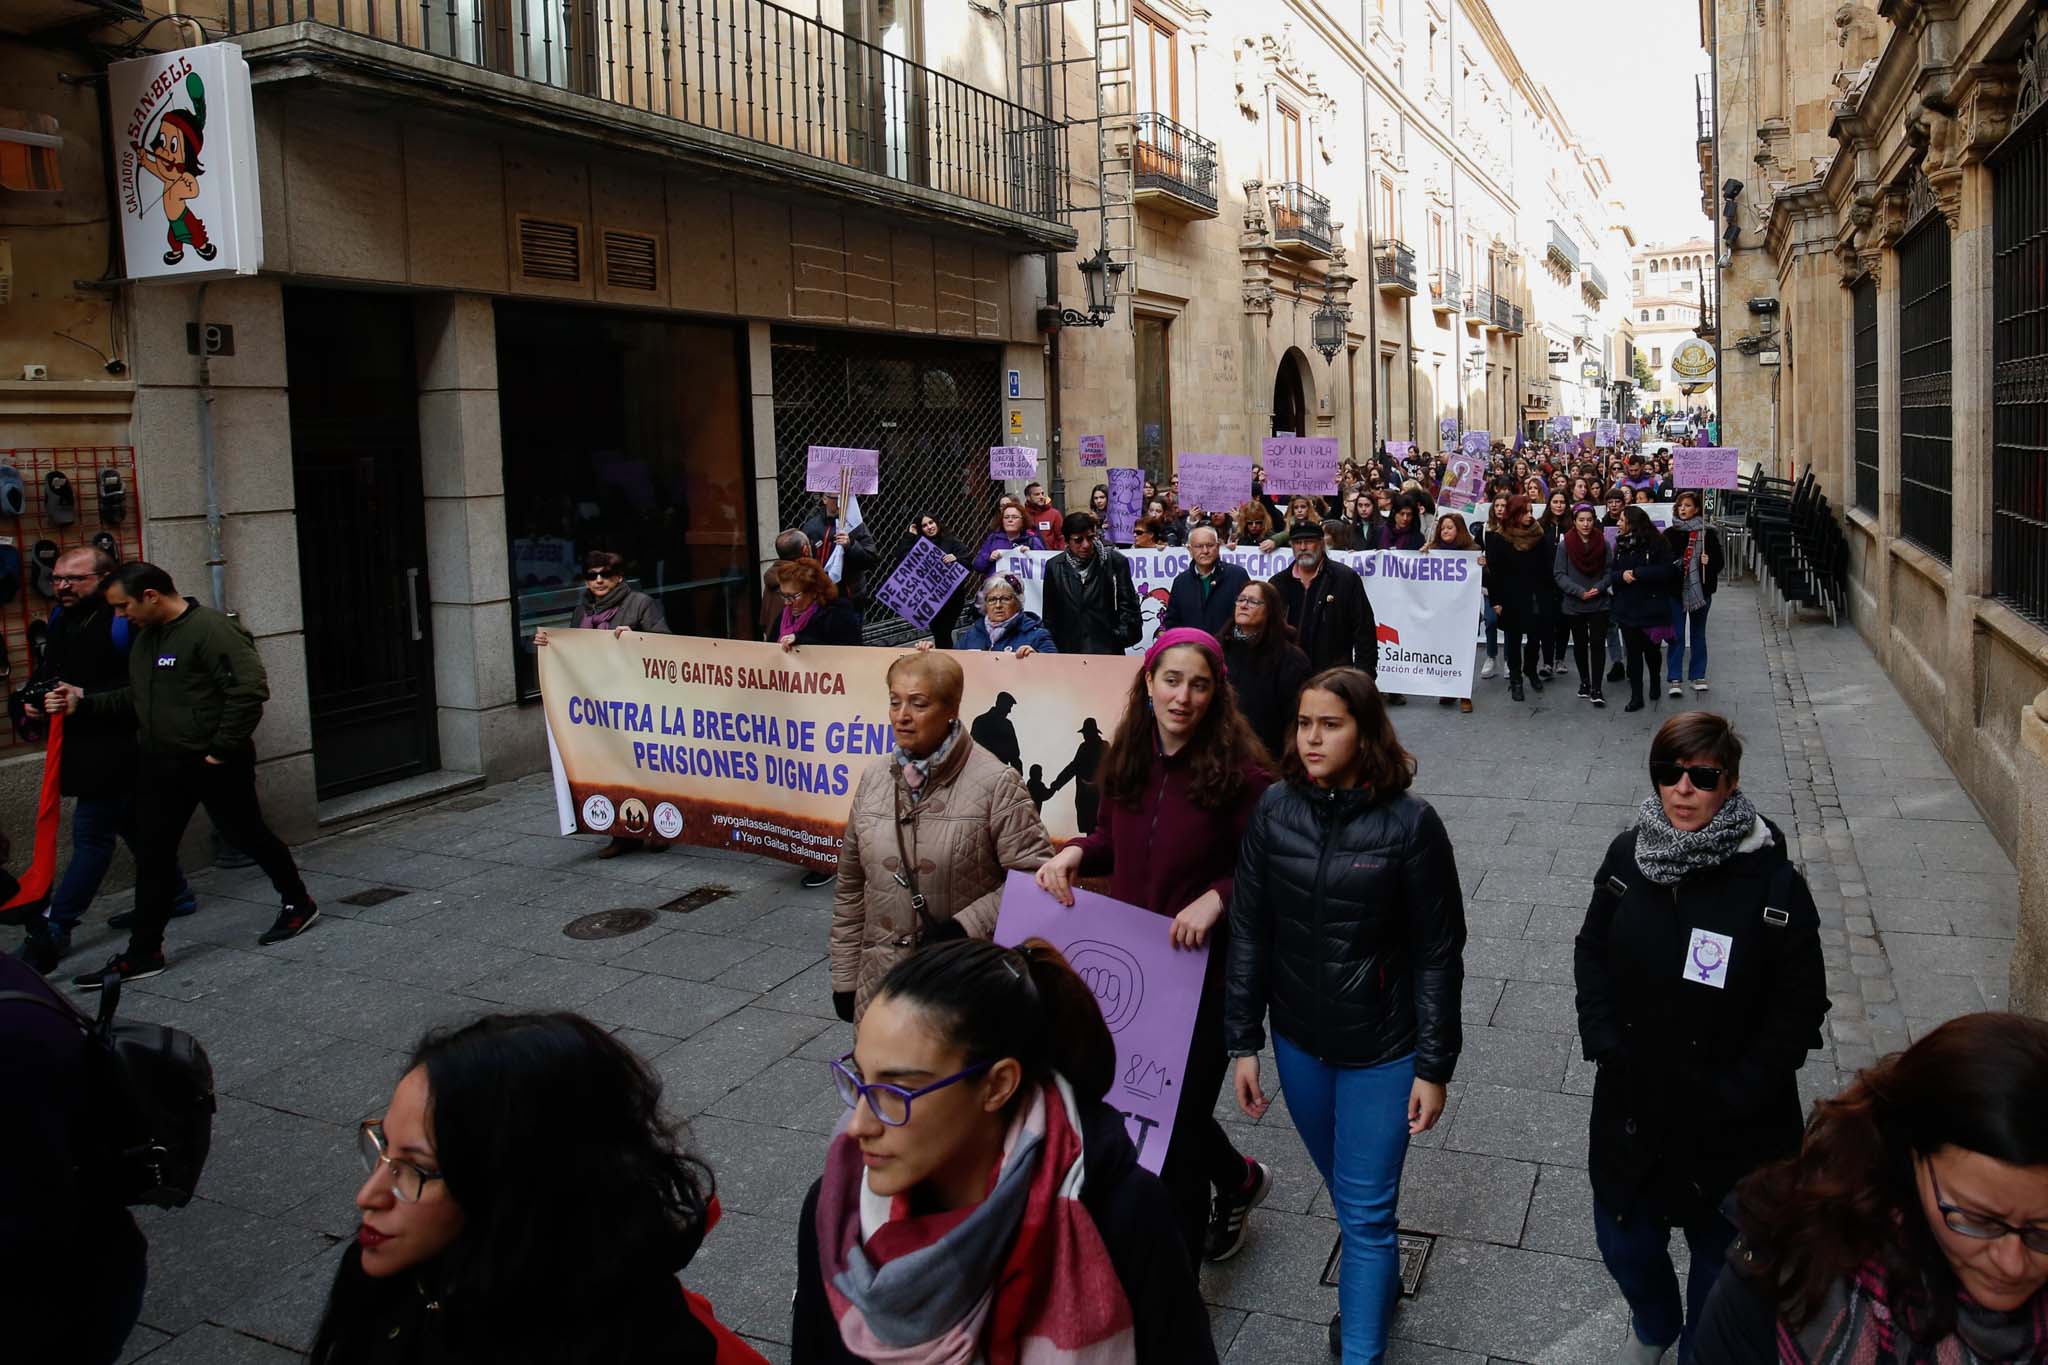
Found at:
[149, 1102]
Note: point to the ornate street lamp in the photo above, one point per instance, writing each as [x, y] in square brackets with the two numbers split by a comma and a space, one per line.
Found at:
[1099, 273]
[1328, 324]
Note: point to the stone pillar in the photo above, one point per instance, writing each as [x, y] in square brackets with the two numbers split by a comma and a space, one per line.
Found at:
[1970, 349]
[761, 388]
[462, 471]
[1255, 261]
[2030, 951]
[250, 420]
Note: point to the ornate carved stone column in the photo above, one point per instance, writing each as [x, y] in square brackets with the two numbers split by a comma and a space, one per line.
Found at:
[1255, 260]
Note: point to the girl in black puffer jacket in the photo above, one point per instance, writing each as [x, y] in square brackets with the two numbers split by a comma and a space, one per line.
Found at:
[1642, 579]
[1348, 925]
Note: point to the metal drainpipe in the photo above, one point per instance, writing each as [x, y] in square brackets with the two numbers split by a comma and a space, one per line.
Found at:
[1057, 485]
[1372, 289]
[216, 557]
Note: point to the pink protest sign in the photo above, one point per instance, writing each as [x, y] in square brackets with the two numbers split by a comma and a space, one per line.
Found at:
[1126, 503]
[1013, 462]
[1464, 481]
[1212, 482]
[1147, 988]
[823, 466]
[1400, 450]
[1094, 452]
[1704, 467]
[1300, 464]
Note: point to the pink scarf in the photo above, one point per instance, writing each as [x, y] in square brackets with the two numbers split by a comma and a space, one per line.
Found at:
[790, 625]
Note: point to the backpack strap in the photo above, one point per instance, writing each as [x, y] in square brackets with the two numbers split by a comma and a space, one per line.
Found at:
[110, 994]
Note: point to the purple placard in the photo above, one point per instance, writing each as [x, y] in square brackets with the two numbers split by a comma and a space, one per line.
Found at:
[1013, 462]
[1213, 482]
[822, 466]
[1607, 430]
[1632, 431]
[1477, 444]
[1126, 501]
[1094, 452]
[921, 584]
[1400, 450]
[1147, 988]
[1586, 440]
[1446, 433]
[1561, 427]
[1705, 467]
[1300, 464]
[1464, 481]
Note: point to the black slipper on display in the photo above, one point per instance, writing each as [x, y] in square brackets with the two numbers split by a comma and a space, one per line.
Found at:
[38, 640]
[113, 497]
[13, 497]
[60, 501]
[104, 542]
[10, 570]
[42, 562]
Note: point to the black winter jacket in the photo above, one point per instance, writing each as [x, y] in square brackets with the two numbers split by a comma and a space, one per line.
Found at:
[1266, 683]
[1187, 606]
[1519, 581]
[1647, 601]
[1710, 572]
[1349, 925]
[1698, 1083]
[860, 551]
[1099, 616]
[1133, 1214]
[1333, 621]
[100, 752]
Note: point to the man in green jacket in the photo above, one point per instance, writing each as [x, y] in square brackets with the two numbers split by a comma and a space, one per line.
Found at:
[197, 688]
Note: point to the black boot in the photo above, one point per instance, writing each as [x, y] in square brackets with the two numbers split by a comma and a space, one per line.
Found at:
[1515, 689]
[1617, 673]
[1337, 1335]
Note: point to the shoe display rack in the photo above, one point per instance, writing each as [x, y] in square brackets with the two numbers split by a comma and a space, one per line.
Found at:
[37, 524]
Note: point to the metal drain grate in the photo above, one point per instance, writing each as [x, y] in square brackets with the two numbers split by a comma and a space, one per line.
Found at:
[697, 899]
[465, 804]
[375, 895]
[1414, 1251]
[608, 924]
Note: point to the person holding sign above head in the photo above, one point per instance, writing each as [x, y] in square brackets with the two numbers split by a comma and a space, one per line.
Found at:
[1701, 988]
[1007, 535]
[827, 531]
[1348, 927]
[1090, 603]
[1178, 785]
[982, 1202]
[934, 826]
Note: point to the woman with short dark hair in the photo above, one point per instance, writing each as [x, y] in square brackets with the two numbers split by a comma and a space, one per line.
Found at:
[1402, 530]
[527, 1202]
[1913, 1224]
[1349, 929]
[1700, 991]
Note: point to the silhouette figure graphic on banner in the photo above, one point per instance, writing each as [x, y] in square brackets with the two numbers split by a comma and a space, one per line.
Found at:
[1035, 784]
[993, 731]
[1081, 772]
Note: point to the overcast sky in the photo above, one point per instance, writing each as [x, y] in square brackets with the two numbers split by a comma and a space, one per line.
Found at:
[1621, 70]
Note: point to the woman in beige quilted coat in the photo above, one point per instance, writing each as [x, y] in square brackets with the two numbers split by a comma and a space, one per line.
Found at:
[934, 828]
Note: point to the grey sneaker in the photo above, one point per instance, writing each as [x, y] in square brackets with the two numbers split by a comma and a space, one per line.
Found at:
[1638, 1352]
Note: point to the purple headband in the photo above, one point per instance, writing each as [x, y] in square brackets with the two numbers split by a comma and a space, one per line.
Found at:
[1185, 635]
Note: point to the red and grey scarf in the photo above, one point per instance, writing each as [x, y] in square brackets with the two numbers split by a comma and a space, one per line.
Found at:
[1022, 1278]
[1860, 1323]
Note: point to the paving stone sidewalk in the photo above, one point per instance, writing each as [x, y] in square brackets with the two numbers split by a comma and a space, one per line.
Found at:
[730, 1003]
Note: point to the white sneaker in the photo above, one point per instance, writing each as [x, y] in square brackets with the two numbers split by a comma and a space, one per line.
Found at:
[1489, 668]
[1676, 690]
[1699, 685]
[1635, 1352]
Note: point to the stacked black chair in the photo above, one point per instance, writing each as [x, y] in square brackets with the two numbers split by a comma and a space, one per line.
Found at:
[1792, 538]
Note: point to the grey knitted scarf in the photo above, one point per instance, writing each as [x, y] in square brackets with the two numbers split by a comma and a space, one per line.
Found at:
[1667, 854]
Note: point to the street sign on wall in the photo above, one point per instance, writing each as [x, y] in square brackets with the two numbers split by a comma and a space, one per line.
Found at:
[184, 152]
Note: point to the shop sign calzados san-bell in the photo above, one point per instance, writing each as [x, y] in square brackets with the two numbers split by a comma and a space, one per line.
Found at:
[184, 152]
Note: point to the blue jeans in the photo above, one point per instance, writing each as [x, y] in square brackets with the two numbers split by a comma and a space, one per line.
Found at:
[1354, 1122]
[1492, 624]
[1638, 1256]
[1688, 623]
[95, 822]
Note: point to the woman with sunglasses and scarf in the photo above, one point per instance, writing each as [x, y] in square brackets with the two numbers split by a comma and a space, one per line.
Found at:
[981, 1201]
[527, 1203]
[1913, 1224]
[1700, 991]
[1178, 785]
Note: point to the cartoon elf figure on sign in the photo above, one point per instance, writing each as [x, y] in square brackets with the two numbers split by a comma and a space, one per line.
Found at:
[173, 157]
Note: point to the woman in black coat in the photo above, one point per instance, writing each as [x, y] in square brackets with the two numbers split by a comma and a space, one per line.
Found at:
[1266, 668]
[1518, 582]
[1700, 991]
[1696, 547]
[1642, 578]
[813, 612]
[1348, 927]
[926, 527]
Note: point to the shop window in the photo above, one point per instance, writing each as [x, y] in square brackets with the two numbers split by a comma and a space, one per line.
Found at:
[2019, 402]
[1926, 423]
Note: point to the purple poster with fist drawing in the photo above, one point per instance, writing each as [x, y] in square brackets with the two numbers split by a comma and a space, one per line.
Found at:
[1147, 988]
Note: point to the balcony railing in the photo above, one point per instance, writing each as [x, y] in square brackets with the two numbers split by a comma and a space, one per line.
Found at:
[1515, 321]
[1703, 107]
[1175, 163]
[1393, 266]
[1595, 283]
[1301, 218]
[1478, 305]
[1563, 248]
[1446, 291]
[747, 69]
[1503, 312]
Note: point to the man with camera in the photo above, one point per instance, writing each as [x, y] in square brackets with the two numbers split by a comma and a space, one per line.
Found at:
[87, 648]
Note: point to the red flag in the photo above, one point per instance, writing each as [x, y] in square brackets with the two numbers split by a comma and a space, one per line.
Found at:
[42, 869]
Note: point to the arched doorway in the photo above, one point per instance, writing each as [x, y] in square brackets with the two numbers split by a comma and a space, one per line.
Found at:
[1290, 396]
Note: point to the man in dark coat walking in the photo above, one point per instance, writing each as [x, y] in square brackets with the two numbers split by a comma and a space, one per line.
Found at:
[1204, 594]
[1090, 603]
[825, 530]
[1327, 606]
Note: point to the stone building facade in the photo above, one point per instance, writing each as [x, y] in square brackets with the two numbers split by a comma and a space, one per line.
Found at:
[1671, 292]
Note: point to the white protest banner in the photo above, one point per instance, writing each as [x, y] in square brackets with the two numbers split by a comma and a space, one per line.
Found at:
[1299, 464]
[1705, 467]
[1094, 452]
[842, 469]
[1424, 603]
[1148, 991]
[1013, 462]
[1213, 482]
[921, 584]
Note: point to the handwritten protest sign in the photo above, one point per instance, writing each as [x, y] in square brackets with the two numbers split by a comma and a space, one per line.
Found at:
[1477, 443]
[1446, 432]
[1147, 989]
[1013, 462]
[1400, 450]
[1094, 452]
[1300, 464]
[823, 466]
[921, 584]
[1215, 481]
[1705, 467]
[1126, 502]
[1606, 431]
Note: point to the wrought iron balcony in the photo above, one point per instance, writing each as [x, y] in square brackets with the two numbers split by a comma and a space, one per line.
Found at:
[1446, 291]
[1174, 168]
[1393, 267]
[1594, 283]
[1301, 220]
[1703, 107]
[1503, 313]
[1478, 306]
[1562, 248]
[1515, 321]
[800, 94]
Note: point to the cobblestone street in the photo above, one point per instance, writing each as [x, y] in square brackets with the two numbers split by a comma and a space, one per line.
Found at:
[730, 1003]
